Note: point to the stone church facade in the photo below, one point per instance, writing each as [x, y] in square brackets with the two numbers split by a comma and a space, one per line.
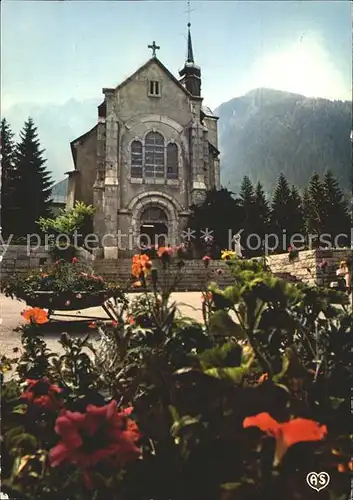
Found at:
[151, 155]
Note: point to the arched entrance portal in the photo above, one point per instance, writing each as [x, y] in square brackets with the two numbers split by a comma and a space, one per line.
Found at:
[153, 227]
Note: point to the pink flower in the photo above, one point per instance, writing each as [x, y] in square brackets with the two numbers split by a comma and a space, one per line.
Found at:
[206, 260]
[101, 434]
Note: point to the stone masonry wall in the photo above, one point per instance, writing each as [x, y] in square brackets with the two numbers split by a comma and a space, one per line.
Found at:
[307, 267]
[17, 258]
[20, 259]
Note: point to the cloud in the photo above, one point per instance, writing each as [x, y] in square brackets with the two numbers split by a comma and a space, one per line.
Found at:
[303, 67]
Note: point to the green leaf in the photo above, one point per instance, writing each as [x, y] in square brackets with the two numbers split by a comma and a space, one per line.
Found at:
[230, 486]
[233, 486]
[15, 431]
[336, 402]
[216, 357]
[286, 361]
[234, 375]
[222, 324]
[232, 293]
[174, 413]
[23, 439]
[21, 409]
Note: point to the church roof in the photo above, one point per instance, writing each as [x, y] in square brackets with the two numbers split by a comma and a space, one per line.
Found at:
[207, 112]
[154, 59]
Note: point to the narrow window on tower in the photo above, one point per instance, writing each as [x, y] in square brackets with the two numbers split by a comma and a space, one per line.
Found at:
[154, 88]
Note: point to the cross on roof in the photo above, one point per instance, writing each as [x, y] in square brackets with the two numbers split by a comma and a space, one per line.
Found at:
[154, 47]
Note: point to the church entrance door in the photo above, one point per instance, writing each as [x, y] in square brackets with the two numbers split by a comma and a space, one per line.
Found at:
[153, 227]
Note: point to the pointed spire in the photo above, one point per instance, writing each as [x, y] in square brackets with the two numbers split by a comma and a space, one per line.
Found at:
[191, 73]
[190, 57]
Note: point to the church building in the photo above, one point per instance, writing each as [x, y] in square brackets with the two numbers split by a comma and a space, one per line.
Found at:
[152, 154]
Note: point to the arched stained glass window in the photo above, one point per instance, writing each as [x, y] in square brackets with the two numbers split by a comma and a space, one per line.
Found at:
[172, 161]
[154, 155]
[136, 159]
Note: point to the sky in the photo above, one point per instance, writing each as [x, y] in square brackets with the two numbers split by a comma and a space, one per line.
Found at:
[54, 53]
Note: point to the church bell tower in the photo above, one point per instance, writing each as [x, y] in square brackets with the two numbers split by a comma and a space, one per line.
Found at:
[191, 73]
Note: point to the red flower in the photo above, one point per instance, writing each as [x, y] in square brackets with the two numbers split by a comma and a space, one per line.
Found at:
[35, 315]
[74, 260]
[287, 433]
[42, 393]
[100, 434]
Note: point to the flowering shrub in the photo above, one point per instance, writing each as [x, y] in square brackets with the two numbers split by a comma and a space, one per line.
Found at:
[62, 279]
[241, 406]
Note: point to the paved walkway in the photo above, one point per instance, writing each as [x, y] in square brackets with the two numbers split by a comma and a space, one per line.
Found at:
[10, 318]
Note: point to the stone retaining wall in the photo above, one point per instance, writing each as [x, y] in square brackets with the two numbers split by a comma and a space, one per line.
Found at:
[20, 259]
[17, 258]
[308, 266]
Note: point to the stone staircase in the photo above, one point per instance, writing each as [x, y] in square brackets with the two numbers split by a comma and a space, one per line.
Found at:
[194, 275]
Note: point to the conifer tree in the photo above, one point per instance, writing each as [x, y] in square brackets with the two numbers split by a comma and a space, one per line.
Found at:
[296, 211]
[261, 214]
[8, 174]
[314, 206]
[247, 201]
[336, 214]
[33, 181]
[220, 214]
[281, 212]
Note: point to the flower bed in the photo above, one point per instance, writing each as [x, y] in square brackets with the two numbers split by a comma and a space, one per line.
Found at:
[240, 407]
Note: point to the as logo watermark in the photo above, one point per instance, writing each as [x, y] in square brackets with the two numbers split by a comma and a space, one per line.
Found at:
[318, 480]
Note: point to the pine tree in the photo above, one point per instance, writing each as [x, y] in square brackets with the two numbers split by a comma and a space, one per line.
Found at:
[281, 212]
[315, 206]
[34, 181]
[336, 210]
[296, 212]
[247, 201]
[262, 214]
[8, 174]
[220, 214]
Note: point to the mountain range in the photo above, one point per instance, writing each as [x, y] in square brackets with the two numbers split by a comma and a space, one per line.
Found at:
[266, 132]
[261, 134]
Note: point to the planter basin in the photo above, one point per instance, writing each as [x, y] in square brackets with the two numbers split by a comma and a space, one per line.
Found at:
[68, 301]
